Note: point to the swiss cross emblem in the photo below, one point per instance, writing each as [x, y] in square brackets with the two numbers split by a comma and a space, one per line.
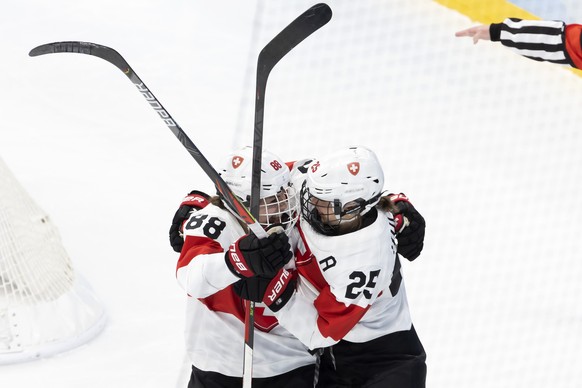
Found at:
[237, 161]
[354, 168]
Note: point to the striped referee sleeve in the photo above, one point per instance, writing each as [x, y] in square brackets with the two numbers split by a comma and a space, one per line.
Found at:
[539, 40]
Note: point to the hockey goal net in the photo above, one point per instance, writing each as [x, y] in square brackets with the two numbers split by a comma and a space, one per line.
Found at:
[45, 307]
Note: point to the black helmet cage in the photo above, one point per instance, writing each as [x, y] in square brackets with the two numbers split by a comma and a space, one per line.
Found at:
[313, 217]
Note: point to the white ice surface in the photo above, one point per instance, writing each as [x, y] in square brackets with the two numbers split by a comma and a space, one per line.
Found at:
[486, 143]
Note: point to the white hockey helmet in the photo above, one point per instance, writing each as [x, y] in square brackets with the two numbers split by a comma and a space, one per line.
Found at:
[350, 181]
[278, 199]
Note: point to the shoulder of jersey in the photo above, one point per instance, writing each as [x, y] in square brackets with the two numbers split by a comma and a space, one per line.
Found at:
[371, 246]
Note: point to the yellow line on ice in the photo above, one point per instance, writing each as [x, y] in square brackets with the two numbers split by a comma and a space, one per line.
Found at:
[489, 11]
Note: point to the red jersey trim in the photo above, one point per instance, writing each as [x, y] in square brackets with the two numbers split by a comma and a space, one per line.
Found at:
[306, 264]
[225, 300]
[336, 319]
[194, 246]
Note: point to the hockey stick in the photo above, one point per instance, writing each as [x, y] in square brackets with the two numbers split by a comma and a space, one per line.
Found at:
[299, 29]
[113, 57]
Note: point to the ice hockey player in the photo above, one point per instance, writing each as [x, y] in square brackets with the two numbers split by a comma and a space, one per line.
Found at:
[217, 253]
[540, 40]
[349, 302]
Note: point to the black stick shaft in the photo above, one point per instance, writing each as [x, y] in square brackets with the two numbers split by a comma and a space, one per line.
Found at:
[299, 29]
[113, 57]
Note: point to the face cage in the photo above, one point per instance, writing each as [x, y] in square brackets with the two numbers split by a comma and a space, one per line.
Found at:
[312, 215]
[281, 209]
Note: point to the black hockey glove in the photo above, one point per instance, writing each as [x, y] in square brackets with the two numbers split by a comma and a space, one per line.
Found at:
[250, 256]
[274, 292]
[195, 200]
[410, 226]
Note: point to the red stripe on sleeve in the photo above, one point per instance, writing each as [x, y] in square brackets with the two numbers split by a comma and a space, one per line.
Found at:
[227, 301]
[194, 246]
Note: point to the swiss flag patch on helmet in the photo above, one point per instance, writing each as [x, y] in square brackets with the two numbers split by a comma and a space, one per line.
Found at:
[237, 161]
[354, 168]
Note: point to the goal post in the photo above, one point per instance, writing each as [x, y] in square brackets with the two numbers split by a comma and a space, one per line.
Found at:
[45, 306]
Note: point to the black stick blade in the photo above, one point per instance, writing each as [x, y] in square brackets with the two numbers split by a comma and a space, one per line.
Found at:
[298, 30]
[97, 50]
[303, 26]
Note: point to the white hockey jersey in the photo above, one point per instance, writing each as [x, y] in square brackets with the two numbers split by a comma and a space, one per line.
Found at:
[215, 314]
[350, 286]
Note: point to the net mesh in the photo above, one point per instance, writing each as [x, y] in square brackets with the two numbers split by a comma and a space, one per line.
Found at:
[34, 266]
[44, 307]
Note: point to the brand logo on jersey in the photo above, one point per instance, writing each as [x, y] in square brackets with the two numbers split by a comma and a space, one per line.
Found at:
[354, 168]
[237, 161]
[279, 286]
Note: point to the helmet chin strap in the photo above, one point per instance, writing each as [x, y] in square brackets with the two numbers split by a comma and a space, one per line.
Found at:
[337, 208]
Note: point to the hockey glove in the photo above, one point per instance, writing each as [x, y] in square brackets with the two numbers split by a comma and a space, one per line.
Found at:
[250, 256]
[274, 292]
[195, 200]
[410, 226]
